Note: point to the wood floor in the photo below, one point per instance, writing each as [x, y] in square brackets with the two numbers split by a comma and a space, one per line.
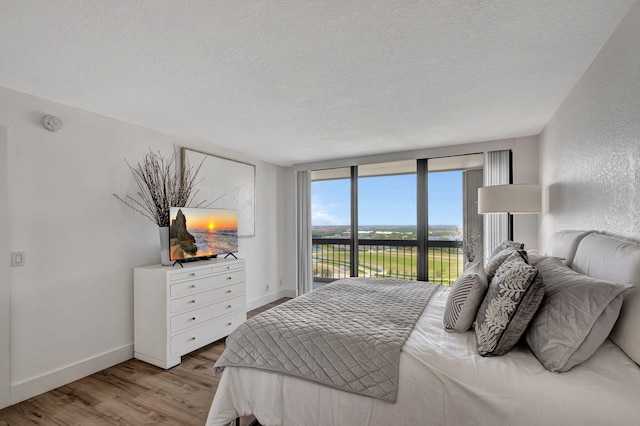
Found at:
[131, 393]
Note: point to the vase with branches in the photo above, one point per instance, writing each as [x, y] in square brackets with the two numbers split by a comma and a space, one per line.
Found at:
[471, 244]
[162, 184]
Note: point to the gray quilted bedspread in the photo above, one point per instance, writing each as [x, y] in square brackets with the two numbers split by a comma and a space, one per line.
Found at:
[347, 335]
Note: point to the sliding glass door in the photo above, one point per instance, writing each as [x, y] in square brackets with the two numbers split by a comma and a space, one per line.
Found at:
[331, 224]
[407, 219]
[454, 225]
[387, 233]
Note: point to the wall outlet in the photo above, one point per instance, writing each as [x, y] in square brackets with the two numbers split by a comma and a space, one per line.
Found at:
[267, 286]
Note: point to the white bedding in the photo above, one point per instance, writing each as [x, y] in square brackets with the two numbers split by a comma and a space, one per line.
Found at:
[443, 381]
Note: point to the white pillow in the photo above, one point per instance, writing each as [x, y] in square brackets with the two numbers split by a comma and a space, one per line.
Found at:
[464, 299]
[616, 260]
[575, 317]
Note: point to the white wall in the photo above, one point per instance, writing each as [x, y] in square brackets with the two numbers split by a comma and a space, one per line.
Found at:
[590, 150]
[72, 302]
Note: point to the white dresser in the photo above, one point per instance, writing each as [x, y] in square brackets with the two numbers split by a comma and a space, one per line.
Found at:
[178, 310]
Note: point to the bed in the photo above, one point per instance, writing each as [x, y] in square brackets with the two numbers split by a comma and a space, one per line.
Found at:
[444, 381]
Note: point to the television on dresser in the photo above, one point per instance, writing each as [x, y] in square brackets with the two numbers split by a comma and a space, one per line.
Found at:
[202, 233]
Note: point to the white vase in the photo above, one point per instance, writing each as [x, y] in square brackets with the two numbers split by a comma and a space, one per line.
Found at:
[165, 255]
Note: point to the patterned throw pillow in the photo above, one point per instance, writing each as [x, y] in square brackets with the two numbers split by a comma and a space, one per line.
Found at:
[512, 300]
[464, 299]
[499, 258]
[505, 245]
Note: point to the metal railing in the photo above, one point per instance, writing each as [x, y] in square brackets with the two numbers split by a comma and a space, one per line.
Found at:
[386, 258]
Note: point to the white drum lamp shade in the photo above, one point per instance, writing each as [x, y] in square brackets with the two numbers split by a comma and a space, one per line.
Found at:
[509, 199]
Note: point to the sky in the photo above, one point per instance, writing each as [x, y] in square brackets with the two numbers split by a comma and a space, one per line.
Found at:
[203, 219]
[388, 200]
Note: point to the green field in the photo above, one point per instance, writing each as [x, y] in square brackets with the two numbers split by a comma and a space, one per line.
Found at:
[332, 261]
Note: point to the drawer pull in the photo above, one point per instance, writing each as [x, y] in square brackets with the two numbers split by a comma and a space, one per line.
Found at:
[192, 338]
[192, 301]
[228, 291]
[228, 278]
[192, 274]
[228, 306]
[228, 324]
[192, 286]
[228, 267]
[192, 319]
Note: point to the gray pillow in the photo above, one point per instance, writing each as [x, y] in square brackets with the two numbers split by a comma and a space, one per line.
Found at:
[507, 244]
[498, 259]
[464, 299]
[533, 258]
[512, 299]
[575, 317]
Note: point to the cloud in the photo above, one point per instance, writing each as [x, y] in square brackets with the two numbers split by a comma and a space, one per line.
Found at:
[321, 213]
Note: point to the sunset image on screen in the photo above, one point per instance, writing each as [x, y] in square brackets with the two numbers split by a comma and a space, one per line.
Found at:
[208, 219]
[200, 232]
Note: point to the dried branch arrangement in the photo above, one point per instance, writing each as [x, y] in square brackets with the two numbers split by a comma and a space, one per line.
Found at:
[161, 184]
[471, 244]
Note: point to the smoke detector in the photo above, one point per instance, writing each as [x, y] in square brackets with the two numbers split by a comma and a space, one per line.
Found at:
[52, 123]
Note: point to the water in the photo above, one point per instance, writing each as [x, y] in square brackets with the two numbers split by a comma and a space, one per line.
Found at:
[219, 241]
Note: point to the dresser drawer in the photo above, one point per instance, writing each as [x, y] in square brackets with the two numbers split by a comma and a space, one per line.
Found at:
[190, 274]
[199, 299]
[235, 266]
[198, 316]
[206, 283]
[200, 272]
[206, 333]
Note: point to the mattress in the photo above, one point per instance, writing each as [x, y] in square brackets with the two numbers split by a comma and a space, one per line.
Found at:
[443, 381]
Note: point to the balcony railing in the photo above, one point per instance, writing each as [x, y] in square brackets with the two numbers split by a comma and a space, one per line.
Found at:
[386, 258]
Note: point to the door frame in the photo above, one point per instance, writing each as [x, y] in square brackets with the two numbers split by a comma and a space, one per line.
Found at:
[5, 286]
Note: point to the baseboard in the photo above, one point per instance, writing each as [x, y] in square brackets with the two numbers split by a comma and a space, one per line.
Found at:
[268, 298]
[54, 379]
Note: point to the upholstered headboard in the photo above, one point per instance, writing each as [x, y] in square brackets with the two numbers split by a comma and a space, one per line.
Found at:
[612, 259]
[564, 244]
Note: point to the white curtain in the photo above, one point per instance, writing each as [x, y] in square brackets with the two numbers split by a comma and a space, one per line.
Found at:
[497, 171]
[303, 227]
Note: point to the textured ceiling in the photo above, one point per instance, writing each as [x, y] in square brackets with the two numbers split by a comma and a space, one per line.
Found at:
[297, 81]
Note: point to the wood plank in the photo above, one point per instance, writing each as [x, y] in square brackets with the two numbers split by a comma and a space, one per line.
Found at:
[131, 393]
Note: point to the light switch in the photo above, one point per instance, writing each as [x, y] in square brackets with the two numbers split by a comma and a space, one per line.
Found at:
[17, 258]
